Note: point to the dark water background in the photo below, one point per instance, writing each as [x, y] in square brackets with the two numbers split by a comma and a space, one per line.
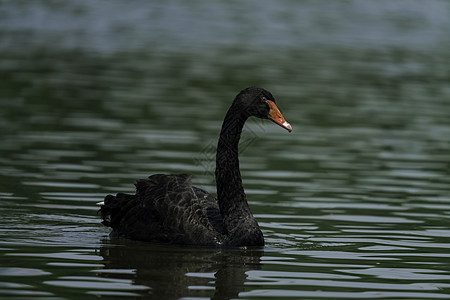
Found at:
[354, 203]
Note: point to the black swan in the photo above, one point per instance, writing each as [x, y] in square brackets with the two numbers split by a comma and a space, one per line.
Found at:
[168, 209]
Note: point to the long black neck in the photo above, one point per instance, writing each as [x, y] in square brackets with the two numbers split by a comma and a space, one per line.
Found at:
[230, 192]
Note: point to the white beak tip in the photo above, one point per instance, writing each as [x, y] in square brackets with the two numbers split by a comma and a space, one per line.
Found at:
[287, 126]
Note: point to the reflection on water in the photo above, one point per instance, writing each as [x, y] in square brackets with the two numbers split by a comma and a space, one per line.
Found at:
[175, 272]
[354, 203]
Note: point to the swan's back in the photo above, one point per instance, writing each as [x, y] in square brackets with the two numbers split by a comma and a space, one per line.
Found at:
[166, 209]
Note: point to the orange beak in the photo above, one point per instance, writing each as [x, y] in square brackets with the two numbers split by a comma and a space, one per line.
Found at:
[276, 116]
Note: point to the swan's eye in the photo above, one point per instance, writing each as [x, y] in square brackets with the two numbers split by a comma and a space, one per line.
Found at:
[263, 99]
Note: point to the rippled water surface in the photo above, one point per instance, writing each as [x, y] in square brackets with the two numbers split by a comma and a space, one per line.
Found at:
[354, 203]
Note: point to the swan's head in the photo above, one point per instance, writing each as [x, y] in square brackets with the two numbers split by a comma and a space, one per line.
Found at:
[260, 103]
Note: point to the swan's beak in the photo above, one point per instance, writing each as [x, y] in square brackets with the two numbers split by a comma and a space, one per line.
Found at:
[276, 116]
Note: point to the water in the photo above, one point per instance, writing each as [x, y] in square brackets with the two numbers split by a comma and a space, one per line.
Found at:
[354, 203]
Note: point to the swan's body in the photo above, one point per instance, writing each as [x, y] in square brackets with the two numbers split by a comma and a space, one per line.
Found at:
[168, 209]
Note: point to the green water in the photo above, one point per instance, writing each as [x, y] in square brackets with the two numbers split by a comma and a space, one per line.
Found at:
[353, 204]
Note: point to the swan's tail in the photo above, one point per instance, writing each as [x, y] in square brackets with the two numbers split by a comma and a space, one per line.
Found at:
[114, 208]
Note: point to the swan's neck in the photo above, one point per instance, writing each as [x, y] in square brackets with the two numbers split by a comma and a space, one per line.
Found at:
[230, 192]
[242, 228]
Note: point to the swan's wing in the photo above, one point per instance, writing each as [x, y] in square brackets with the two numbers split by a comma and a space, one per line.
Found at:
[211, 210]
[169, 209]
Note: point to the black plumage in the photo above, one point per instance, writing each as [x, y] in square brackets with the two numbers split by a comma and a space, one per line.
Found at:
[169, 209]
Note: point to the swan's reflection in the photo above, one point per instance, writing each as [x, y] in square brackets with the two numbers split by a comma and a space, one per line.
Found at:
[174, 272]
